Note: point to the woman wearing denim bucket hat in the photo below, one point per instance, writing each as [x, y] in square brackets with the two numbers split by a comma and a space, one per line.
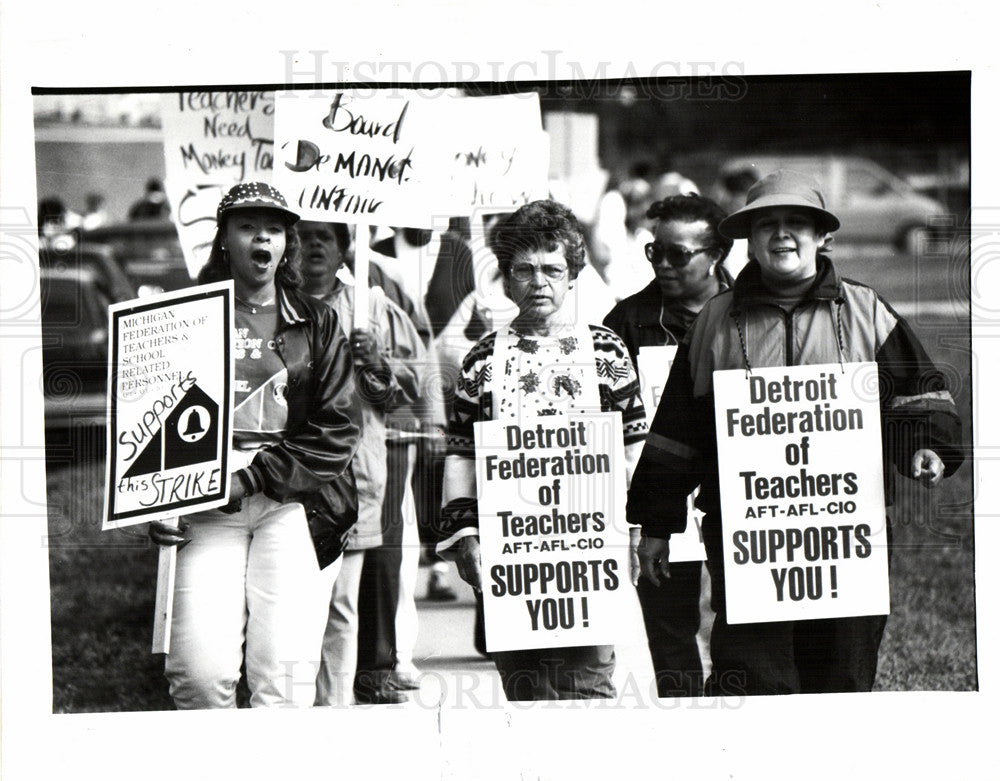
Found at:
[254, 577]
[788, 307]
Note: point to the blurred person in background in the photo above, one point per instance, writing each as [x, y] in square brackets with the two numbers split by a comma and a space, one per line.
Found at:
[56, 224]
[421, 422]
[687, 254]
[254, 577]
[731, 193]
[621, 227]
[435, 270]
[96, 213]
[359, 646]
[788, 307]
[153, 205]
[617, 226]
[540, 252]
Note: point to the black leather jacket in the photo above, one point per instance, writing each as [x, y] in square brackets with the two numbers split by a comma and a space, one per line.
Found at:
[312, 464]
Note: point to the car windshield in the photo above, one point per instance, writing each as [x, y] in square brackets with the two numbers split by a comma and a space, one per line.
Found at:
[67, 302]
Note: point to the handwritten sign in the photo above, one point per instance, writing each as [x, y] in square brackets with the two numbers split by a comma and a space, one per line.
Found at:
[212, 141]
[800, 476]
[374, 158]
[555, 564]
[654, 368]
[500, 153]
[169, 405]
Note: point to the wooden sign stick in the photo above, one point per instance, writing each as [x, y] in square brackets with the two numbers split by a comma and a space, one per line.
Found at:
[164, 611]
[362, 254]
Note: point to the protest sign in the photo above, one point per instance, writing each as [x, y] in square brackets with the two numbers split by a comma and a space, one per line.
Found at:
[169, 405]
[500, 153]
[654, 368]
[800, 477]
[371, 157]
[554, 551]
[212, 141]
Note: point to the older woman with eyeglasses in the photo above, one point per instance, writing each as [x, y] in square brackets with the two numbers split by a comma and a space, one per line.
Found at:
[548, 361]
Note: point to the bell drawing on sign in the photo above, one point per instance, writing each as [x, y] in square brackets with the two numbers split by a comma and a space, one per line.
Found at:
[190, 435]
[193, 427]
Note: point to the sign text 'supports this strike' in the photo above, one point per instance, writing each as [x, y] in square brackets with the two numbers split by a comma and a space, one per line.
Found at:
[800, 476]
[169, 406]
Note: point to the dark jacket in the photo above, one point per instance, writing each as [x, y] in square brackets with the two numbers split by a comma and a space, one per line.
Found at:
[451, 281]
[312, 464]
[742, 328]
[644, 319]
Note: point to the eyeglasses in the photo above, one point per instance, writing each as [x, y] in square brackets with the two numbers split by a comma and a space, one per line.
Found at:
[678, 257]
[525, 272]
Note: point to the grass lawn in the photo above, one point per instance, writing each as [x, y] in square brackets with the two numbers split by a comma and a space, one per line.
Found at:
[930, 639]
[102, 588]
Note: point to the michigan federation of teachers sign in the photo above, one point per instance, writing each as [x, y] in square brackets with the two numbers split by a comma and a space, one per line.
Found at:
[169, 405]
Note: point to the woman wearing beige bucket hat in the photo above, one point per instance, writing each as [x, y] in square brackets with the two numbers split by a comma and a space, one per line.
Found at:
[788, 307]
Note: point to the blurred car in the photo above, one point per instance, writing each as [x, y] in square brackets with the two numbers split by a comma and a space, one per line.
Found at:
[148, 251]
[95, 260]
[74, 351]
[950, 187]
[872, 204]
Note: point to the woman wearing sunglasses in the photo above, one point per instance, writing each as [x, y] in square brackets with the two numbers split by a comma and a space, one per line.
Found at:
[688, 255]
[548, 361]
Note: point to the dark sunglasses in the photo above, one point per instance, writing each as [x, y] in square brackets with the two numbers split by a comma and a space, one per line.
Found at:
[678, 257]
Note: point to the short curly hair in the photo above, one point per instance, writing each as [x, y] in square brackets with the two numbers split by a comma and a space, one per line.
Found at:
[539, 226]
[693, 208]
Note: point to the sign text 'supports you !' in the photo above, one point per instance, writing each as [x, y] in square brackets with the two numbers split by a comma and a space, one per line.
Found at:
[800, 476]
[554, 563]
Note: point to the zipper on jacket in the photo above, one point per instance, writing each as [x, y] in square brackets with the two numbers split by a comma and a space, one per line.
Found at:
[789, 331]
[789, 337]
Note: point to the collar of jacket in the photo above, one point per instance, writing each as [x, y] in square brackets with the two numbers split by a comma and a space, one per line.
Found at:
[290, 308]
[748, 289]
[652, 304]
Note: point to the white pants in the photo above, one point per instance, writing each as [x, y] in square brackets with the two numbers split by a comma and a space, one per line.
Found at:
[406, 610]
[250, 577]
[335, 679]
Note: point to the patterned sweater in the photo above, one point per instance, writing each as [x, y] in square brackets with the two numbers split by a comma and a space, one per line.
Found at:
[618, 389]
